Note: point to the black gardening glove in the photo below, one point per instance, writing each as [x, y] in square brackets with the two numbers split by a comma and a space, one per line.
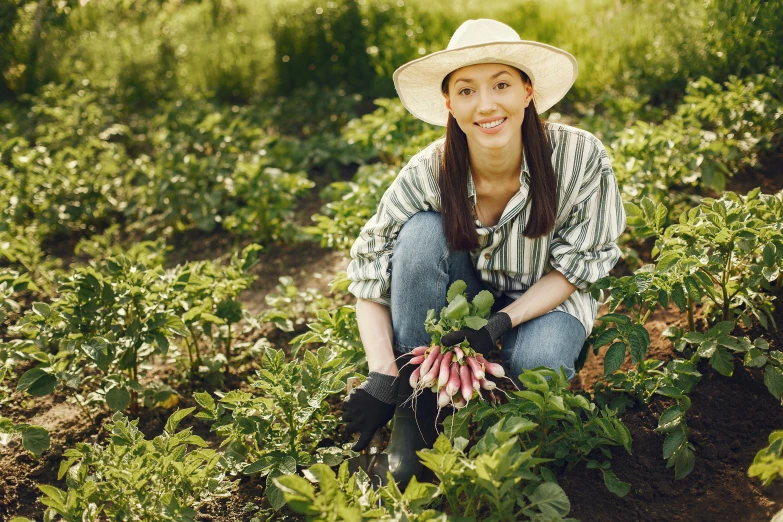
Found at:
[484, 339]
[370, 406]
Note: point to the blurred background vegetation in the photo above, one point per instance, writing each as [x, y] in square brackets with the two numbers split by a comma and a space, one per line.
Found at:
[236, 50]
[164, 116]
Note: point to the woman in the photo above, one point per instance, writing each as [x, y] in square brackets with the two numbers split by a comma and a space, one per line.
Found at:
[526, 211]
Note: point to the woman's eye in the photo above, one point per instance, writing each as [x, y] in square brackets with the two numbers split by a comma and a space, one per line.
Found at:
[504, 84]
[464, 91]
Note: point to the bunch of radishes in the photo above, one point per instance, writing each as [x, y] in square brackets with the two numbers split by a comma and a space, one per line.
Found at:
[455, 373]
[452, 371]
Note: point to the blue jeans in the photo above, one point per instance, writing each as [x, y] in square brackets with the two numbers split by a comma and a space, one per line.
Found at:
[423, 267]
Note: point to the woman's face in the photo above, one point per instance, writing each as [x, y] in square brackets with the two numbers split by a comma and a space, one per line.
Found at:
[488, 101]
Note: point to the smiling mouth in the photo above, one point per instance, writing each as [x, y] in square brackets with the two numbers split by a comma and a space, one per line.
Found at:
[491, 124]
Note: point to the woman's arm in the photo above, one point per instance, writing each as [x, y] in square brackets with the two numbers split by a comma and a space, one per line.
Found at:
[375, 329]
[545, 294]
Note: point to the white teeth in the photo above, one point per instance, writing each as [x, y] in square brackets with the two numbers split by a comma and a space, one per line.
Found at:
[491, 124]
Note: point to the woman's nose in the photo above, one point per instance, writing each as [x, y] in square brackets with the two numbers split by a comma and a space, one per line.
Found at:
[486, 104]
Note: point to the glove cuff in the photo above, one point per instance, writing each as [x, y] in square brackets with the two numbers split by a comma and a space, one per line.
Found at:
[498, 324]
[381, 386]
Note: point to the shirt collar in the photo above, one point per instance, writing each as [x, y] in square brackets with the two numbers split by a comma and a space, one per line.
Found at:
[524, 175]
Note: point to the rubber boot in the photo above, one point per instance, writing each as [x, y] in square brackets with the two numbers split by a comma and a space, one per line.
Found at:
[413, 430]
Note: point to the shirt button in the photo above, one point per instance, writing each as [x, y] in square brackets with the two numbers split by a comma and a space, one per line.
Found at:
[487, 255]
[497, 231]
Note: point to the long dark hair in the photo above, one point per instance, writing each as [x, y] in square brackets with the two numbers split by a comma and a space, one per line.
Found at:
[458, 223]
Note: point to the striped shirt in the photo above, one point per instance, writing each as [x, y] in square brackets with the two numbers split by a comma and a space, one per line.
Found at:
[582, 245]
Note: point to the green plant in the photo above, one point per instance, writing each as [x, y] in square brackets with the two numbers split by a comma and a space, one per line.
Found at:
[716, 132]
[280, 427]
[494, 481]
[131, 478]
[35, 439]
[351, 205]
[390, 134]
[726, 249]
[768, 463]
[289, 306]
[95, 338]
[21, 249]
[559, 427]
[324, 44]
[109, 243]
[343, 496]
[204, 296]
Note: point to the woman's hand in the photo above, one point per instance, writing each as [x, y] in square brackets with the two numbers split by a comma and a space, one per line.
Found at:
[484, 339]
[369, 407]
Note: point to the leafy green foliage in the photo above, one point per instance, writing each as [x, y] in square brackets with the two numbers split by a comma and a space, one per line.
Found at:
[96, 334]
[204, 296]
[289, 306]
[459, 313]
[494, 481]
[561, 428]
[131, 478]
[20, 248]
[35, 439]
[351, 205]
[716, 132]
[768, 463]
[279, 428]
[343, 496]
[390, 134]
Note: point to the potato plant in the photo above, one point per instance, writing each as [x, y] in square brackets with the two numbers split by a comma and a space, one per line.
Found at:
[716, 132]
[204, 296]
[279, 427]
[350, 205]
[494, 480]
[290, 307]
[768, 463]
[94, 340]
[560, 427]
[35, 439]
[389, 134]
[730, 249]
[20, 250]
[131, 478]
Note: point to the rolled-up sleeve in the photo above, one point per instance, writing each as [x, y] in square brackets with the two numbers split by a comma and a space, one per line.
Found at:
[370, 268]
[584, 247]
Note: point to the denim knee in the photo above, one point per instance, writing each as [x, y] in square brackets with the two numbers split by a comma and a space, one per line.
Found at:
[553, 340]
[421, 239]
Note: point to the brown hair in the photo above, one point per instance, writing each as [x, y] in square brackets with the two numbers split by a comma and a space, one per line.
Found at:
[458, 224]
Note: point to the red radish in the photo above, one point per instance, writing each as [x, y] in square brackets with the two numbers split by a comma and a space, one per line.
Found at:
[452, 386]
[432, 373]
[487, 384]
[443, 398]
[414, 380]
[475, 367]
[460, 403]
[417, 360]
[419, 350]
[475, 382]
[429, 360]
[443, 376]
[459, 353]
[493, 369]
[466, 383]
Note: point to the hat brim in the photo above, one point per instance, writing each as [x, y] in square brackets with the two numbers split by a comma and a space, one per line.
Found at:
[553, 72]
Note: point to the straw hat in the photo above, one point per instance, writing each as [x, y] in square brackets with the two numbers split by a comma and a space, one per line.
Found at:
[552, 70]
